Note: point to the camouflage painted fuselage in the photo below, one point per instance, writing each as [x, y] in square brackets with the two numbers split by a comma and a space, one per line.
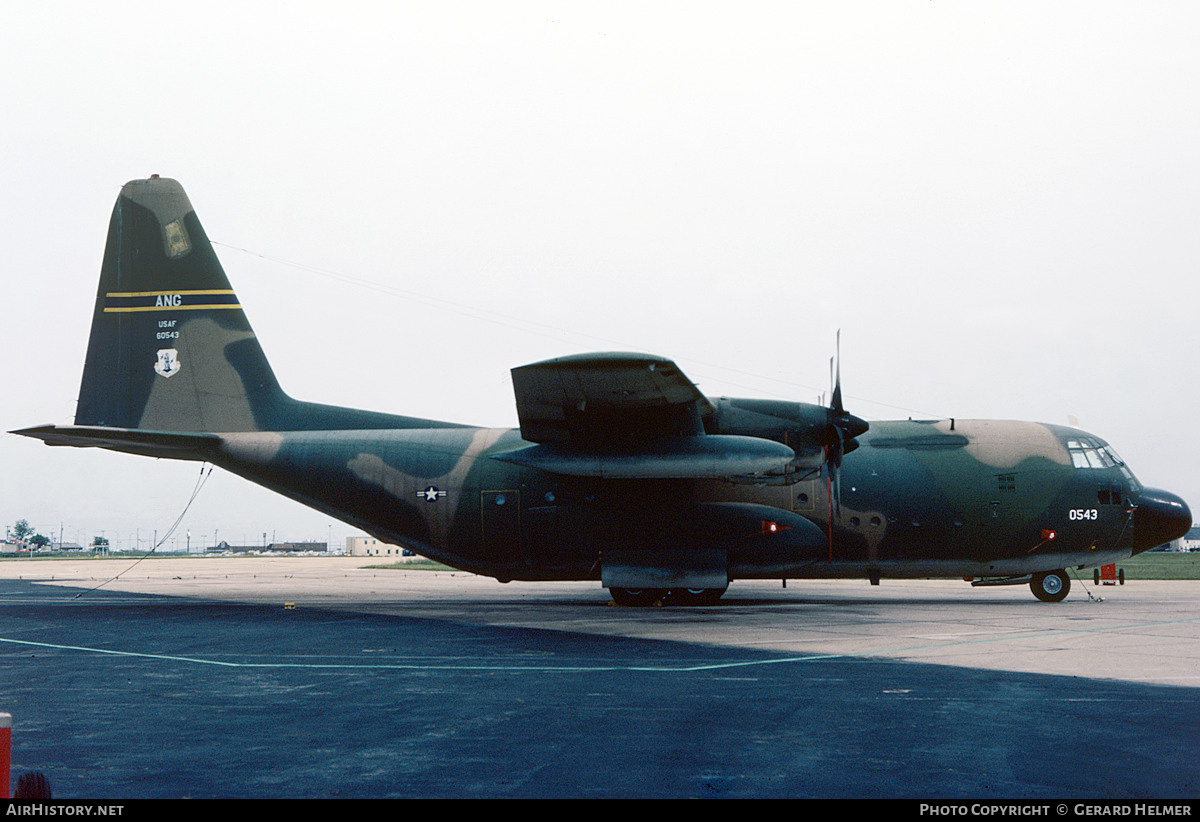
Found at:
[986, 498]
[620, 471]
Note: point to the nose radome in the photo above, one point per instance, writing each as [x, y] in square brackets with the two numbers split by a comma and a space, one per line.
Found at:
[1160, 517]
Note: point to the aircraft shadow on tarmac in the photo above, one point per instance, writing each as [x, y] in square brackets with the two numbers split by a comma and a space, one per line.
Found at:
[182, 697]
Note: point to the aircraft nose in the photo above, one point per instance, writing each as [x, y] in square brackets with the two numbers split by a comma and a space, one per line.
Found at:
[1160, 517]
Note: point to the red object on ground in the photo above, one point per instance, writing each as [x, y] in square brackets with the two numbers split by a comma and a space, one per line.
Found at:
[5, 754]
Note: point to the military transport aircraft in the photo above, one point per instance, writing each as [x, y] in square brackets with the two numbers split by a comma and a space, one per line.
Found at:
[621, 470]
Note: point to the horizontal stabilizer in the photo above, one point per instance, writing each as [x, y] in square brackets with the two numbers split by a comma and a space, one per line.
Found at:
[698, 457]
[167, 444]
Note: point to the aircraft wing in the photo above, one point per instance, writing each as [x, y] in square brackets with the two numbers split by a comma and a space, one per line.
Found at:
[602, 396]
[617, 415]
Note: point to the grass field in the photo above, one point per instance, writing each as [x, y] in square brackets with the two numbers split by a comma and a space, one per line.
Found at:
[1162, 565]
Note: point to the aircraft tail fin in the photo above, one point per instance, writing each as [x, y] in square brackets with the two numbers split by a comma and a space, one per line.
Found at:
[170, 348]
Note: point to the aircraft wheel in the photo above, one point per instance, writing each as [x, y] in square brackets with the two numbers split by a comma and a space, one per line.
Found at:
[636, 597]
[694, 596]
[1051, 586]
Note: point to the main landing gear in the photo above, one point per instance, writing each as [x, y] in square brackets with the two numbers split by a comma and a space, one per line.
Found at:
[641, 597]
[1052, 586]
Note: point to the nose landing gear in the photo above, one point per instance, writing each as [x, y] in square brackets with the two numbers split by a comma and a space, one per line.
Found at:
[1052, 586]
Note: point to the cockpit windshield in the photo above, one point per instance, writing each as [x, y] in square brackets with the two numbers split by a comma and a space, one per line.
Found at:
[1090, 453]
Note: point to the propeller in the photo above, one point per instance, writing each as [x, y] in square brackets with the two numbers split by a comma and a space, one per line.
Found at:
[845, 428]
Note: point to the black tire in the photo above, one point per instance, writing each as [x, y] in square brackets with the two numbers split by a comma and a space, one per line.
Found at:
[694, 596]
[1052, 586]
[636, 597]
[32, 785]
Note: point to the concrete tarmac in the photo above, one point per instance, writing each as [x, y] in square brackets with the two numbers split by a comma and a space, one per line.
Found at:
[192, 677]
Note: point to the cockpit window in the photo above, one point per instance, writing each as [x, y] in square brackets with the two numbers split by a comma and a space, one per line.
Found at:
[1087, 453]
[1090, 453]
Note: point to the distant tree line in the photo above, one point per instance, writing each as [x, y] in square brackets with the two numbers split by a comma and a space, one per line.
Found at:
[25, 534]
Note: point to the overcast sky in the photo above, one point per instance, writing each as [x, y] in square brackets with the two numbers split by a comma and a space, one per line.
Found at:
[996, 202]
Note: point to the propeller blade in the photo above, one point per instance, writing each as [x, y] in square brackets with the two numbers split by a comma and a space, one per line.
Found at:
[845, 427]
[837, 474]
[837, 384]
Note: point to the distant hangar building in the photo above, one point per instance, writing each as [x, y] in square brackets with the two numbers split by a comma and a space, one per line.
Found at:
[371, 547]
[1191, 542]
